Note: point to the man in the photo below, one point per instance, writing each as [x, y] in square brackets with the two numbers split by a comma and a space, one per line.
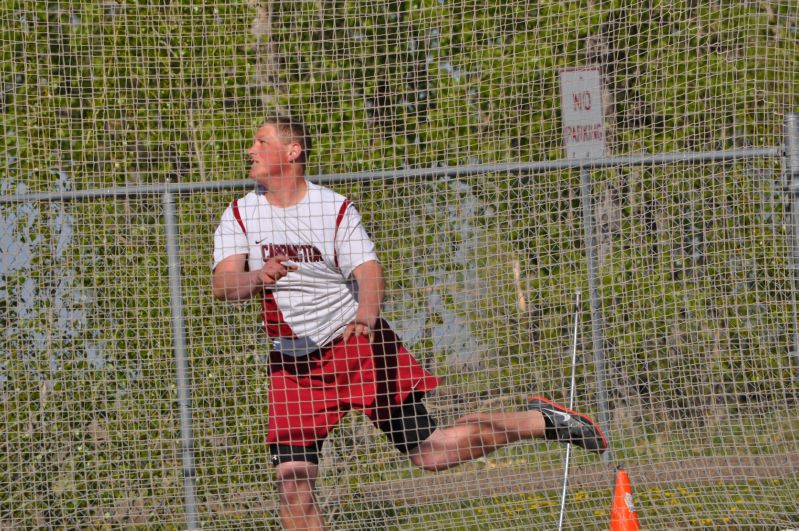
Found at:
[302, 248]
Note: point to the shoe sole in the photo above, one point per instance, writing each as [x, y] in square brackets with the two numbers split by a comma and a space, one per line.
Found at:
[576, 414]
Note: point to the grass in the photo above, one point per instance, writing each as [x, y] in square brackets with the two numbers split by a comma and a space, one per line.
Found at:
[728, 502]
[770, 504]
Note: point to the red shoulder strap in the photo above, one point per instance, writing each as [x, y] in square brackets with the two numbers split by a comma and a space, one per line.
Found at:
[339, 218]
[237, 215]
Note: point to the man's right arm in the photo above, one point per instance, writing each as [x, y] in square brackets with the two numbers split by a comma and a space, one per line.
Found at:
[231, 281]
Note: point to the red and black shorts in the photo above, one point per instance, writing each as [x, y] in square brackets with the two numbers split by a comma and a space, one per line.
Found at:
[308, 396]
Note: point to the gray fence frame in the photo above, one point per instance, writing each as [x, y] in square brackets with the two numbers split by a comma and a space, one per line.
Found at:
[789, 153]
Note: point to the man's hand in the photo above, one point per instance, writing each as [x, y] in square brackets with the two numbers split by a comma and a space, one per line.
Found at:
[361, 327]
[274, 269]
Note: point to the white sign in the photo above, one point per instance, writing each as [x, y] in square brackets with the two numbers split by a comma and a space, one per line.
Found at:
[581, 112]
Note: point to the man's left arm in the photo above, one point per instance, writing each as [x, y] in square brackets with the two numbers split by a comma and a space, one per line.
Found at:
[371, 290]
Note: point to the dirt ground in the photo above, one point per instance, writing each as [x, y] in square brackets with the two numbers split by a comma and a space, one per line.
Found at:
[498, 482]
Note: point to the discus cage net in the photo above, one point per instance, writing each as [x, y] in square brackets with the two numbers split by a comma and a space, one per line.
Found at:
[431, 115]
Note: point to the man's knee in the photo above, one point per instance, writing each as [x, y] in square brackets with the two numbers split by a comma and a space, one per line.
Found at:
[296, 481]
[426, 461]
[430, 454]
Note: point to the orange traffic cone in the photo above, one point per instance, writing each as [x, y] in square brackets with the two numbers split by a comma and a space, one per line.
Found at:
[622, 514]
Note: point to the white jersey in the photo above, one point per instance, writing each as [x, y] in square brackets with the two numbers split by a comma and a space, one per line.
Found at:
[323, 236]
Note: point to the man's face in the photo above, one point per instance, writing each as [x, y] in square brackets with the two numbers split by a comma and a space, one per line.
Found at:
[269, 155]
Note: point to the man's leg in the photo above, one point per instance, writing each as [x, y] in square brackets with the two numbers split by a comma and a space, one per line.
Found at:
[474, 436]
[477, 435]
[296, 470]
[295, 483]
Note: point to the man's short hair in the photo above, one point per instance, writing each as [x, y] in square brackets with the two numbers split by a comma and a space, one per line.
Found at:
[291, 129]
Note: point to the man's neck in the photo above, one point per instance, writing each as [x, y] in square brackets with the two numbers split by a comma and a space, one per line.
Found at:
[289, 194]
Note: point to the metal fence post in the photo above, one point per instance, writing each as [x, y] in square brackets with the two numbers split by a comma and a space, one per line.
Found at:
[181, 362]
[791, 125]
[597, 325]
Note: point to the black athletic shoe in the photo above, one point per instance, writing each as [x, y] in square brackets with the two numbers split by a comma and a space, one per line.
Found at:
[567, 426]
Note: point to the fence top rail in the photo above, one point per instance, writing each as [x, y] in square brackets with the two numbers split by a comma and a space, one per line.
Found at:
[426, 173]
